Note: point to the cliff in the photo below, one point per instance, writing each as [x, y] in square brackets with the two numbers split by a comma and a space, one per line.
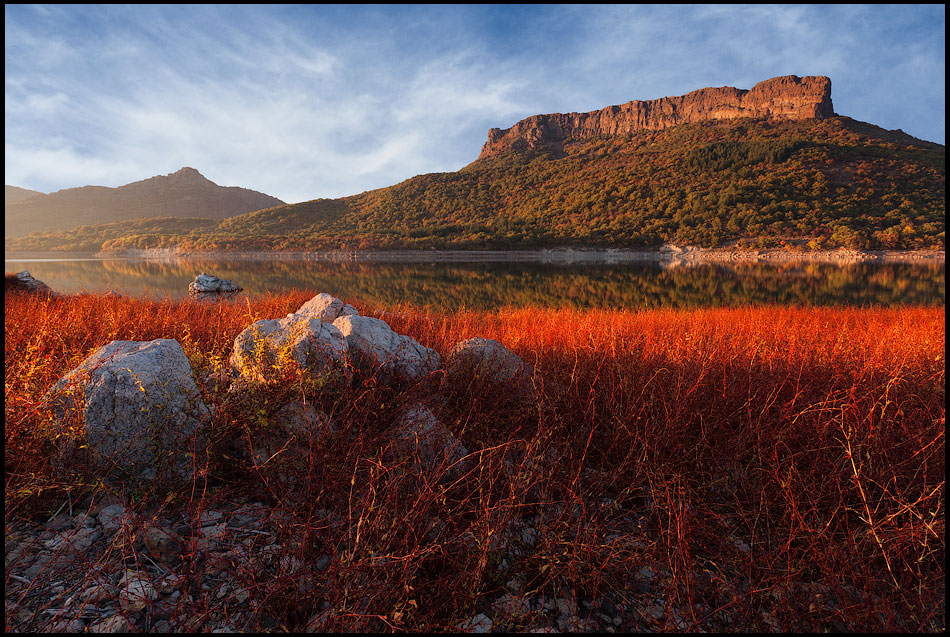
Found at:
[185, 193]
[788, 97]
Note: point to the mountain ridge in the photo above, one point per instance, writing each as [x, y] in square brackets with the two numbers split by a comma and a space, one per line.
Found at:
[786, 97]
[12, 194]
[183, 193]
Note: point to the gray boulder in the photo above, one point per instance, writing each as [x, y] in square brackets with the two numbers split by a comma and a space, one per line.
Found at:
[139, 409]
[326, 307]
[310, 343]
[418, 432]
[210, 284]
[488, 359]
[25, 282]
[287, 439]
[304, 422]
[377, 349]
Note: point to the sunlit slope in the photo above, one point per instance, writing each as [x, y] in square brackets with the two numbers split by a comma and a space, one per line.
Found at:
[832, 182]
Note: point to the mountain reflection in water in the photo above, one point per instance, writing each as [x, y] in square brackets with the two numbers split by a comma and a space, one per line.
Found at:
[486, 285]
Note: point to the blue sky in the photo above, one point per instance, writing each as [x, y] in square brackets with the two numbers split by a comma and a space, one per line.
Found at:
[302, 102]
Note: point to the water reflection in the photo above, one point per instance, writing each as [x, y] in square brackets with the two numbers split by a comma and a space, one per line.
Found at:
[481, 285]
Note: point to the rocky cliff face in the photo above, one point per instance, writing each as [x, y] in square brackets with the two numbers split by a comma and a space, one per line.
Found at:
[788, 97]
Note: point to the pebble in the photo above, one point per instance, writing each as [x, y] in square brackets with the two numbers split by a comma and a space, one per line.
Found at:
[477, 624]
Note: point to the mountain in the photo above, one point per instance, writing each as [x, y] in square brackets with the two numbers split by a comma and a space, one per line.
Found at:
[788, 97]
[185, 193]
[719, 166]
[12, 194]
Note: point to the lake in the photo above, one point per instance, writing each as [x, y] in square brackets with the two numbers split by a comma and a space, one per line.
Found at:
[494, 284]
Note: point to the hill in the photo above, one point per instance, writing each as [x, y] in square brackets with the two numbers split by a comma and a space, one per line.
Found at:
[185, 193]
[723, 166]
[12, 194]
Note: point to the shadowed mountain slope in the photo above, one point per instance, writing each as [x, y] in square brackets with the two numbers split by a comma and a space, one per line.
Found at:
[12, 194]
[185, 193]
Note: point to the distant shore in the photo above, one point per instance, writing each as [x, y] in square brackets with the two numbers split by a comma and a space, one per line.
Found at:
[687, 255]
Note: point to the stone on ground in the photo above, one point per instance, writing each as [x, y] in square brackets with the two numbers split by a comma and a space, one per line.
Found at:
[138, 408]
[378, 350]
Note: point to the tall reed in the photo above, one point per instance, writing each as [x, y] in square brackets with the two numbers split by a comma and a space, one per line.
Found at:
[774, 467]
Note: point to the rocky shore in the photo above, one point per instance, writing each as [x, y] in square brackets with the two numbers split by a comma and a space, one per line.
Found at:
[665, 254]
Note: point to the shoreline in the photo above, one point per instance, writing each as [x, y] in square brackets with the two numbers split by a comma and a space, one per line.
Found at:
[665, 255]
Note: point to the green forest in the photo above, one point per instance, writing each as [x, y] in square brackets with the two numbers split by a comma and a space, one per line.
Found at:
[747, 183]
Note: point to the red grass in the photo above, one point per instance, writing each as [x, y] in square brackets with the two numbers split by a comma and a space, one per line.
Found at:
[777, 468]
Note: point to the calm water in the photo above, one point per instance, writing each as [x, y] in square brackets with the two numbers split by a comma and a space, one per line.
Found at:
[485, 285]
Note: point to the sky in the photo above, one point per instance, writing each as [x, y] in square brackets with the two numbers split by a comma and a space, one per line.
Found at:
[304, 102]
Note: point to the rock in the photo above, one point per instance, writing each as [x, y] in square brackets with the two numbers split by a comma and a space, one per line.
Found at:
[97, 593]
[110, 518]
[326, 307]
[284, 446]
[378, 350]
[79, 540]
[788, 97]
[113, 624]
[419, 432]
[477, 624]
[304, 422]
[24, 282]
[135, 591]
[163, 543]
[512, 606]
[487, 359]
[134, 398]
[486, 367]
[310, 343]
[210, 284]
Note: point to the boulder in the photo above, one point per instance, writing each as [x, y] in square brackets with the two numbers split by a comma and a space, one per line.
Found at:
[489, 360]
[284, 446]
[487, 368]
[378, 350]
[310, 343]
[326, 307]
[24, 282]
[304, 422]
[139, 408]
[419, 432]
[210, 284]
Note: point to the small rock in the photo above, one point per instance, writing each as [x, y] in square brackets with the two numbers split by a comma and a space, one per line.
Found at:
[209, 517]
[97, 593]
[509, 605]
[210, 284]
[135, 591]
[477, 624]
[162, 542]
[67, 625]
[567, 607]
[116, 624]
[110, 518]
[25, 282]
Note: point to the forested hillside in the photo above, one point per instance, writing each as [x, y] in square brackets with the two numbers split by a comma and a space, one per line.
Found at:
[754, 183]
